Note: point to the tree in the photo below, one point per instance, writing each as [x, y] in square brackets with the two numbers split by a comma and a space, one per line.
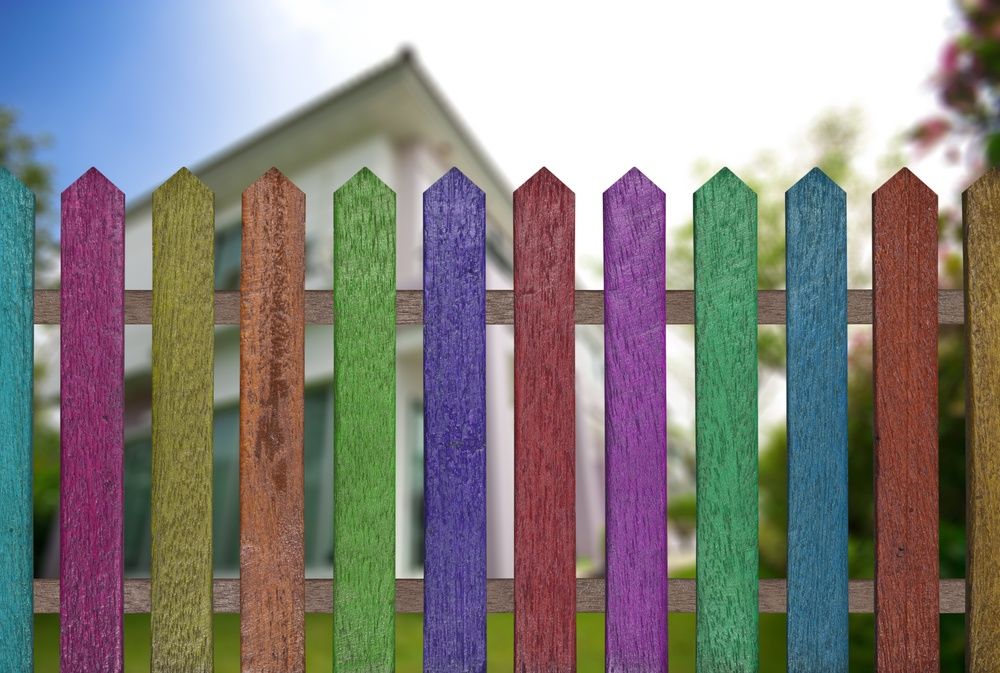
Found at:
[968, 85]
[831, 144]
[19, 154]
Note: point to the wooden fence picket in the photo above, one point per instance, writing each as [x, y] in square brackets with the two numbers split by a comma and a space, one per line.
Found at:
[981, 206]
[17, 280]
[454, 425]
[272, 354]
[364, 289]
[91, 463]
[544, 427]
[905, 309]
[635, 425]
[816, 276]
[182, 412]
[725, 286]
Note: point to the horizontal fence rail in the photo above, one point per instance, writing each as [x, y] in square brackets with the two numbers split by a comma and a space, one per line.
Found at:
[499, 596]
[500, 307]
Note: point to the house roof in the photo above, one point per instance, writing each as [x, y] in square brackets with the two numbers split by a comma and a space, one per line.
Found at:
[396, 98]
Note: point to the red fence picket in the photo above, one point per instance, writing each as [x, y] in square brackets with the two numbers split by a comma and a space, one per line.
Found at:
[905, 307]
[544, 427]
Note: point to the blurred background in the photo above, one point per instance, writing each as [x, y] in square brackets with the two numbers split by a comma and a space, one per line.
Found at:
[321, 88]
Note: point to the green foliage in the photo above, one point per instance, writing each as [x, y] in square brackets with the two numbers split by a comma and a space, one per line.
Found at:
[45, 485]
[19, 154]
[968, 86]
[831, 144]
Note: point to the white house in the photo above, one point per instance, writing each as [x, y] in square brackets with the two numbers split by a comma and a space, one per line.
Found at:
[393, 121]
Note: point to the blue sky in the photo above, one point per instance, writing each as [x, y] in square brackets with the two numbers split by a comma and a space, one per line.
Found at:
[139, 89]
[136, 88]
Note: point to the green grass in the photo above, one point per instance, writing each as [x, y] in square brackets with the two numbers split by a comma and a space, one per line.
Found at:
[409, 653]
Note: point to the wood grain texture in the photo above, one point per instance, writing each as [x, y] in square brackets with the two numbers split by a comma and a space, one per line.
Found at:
[182, 404]
[981, 212]
[454, 426]
[816, 276]
[91, 426]
[17, 280]
[725, 281]
[544, 428]
[500, 307]
[364, 508]
[500, 596]
[635, 425]
[272, 333]
[904, 250]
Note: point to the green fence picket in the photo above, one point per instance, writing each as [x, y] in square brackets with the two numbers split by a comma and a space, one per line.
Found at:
[364, 512]
[725, 287]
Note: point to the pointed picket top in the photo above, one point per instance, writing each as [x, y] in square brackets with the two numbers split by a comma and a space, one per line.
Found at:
[981, 205]
[903, 181]
[987, 183]
[725, 179]
[183, 180]
[11, 185]
[635, 181]
[367, 181]
[546, 179]
[92, 183]
[274, 177]
[457, 183]
[815, 181]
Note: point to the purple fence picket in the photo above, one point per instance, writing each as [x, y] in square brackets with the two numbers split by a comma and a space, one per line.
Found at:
[635, 424]
[92, 350]
[455, 425]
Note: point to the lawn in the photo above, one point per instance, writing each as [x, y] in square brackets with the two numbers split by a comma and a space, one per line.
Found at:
[500, 638]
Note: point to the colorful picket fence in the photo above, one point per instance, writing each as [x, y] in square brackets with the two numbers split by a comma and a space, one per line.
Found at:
[272, 596]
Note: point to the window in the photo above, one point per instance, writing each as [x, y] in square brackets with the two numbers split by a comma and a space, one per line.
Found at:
[319, 476]
[227, 257]
[415, 497]
[138, 462]
[226, 490]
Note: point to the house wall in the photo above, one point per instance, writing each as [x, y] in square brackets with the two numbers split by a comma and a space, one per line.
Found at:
[392, 124]
[409, 168]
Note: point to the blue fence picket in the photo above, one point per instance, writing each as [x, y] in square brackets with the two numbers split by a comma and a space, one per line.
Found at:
[816, 277]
